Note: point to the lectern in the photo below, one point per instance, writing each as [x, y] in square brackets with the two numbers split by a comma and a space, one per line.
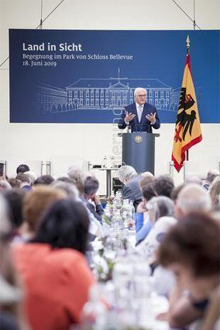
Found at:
[138, 150]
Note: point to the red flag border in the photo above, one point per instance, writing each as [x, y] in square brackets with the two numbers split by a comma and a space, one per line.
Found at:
[177, 165]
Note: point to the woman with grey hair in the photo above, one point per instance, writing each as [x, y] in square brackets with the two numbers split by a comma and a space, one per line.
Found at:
[77, 175]
[214, 191]
[161, 214]
[159, 207]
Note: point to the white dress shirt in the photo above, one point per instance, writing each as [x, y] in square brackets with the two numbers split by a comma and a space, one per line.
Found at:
[139, 111]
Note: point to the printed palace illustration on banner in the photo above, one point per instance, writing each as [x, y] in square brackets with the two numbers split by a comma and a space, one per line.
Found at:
[105, 94]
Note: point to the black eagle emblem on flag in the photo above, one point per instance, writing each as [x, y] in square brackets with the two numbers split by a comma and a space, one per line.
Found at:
[184, 119]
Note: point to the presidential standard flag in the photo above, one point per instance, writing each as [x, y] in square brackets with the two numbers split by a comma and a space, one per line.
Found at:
[187, 129]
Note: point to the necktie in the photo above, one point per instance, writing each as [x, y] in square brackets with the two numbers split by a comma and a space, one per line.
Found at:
[140, 110]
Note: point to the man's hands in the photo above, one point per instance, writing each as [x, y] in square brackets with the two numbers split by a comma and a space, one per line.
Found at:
[129, 117]
[96, 199]
[141, 207]
[152, 117]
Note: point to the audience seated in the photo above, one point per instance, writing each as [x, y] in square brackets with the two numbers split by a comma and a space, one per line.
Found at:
[54, 269]
[176, 191]
[142, 222]
[25, 182]
[191, 250]
[22, 168]
[191, 198]
[77, 175]
[131, 180]
[14, 183]
[4, 185]
[193, 179]
[211, 175]
[91, 199]
[62, 216]
[67, 185]
[15, 198]
[214, 191]
[163, 185]
[11, 315]
[161, 212]
[36, 203]
[44, 179]
[146, 177]
[32, 176]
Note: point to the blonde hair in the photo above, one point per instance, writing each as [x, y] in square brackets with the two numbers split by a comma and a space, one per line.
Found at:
[37, 202]
[146, 177]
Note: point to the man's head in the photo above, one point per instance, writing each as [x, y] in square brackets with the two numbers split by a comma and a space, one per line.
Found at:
[140, 95]
[193, 179]
[91, 186]
[32, 176]
[22, 168]
[191, 248]
[211, 175]
[126, 173]
[163, 185]
[44, 179]
[192, 198]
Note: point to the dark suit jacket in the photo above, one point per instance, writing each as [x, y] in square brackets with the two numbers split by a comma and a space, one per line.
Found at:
[132, 190]
[97, 210]
[144, 125]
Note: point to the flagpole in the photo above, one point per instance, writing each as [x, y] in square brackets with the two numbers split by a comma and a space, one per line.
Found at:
[187, 50]
[187, 129]
[194, 12]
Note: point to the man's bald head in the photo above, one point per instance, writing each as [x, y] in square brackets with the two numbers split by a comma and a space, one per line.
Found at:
[192, 198]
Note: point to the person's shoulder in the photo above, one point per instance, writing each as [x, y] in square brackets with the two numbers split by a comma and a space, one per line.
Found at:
[69, 254]
[73, 264]
[150, 106]
[67, 261]
[165, 222]
[136, 179]
[130, 106]
[127, 187]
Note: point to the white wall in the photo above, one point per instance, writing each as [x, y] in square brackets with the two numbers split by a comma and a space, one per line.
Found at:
[65, 144]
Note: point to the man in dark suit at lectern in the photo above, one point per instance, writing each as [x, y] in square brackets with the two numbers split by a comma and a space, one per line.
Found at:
[140, 116]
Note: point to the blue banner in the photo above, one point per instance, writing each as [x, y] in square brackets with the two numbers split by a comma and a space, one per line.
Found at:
[62, 76]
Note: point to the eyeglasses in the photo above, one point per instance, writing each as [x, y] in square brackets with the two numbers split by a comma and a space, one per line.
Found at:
[142, 95]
